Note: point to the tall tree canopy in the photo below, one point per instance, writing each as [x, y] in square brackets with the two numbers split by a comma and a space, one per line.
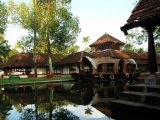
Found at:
[3, 17]
[51, 19]
[63, 29]
[4, 47]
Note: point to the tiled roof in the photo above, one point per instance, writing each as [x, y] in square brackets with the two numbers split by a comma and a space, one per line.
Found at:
[121, 54]
[110, 53]
[27, 60]
[73, 58]
[139, 57]
[145, 9]
[105, 39]
[146, 12]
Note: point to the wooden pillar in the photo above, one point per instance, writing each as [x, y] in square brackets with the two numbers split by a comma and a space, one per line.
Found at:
[152, 60]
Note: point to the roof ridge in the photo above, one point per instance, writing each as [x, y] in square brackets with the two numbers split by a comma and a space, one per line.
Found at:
[107, 37]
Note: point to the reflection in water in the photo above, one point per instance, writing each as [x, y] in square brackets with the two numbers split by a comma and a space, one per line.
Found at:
[5, 106]
[41, 104]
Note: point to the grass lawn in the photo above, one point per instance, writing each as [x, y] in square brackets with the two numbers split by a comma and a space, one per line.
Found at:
[34, 80]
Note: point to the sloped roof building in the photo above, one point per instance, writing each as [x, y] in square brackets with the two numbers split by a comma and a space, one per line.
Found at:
[23, 63]
[106, 41]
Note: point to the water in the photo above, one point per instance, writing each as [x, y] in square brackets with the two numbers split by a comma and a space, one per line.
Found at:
[42, 103]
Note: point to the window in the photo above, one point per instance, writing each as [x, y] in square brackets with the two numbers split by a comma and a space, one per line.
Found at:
[131, 68]
[106, 68]
[110, 67]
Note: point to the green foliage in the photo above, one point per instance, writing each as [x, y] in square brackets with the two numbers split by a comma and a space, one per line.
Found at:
[88, 49]
[66, 51]
[128, 47]
[62, 26]
[13, 52]
[26, 44]
[3, 17]
[4, 49]
[34, 80]
[24, 15]
[65, 30]
[139, 36]
[86, 39]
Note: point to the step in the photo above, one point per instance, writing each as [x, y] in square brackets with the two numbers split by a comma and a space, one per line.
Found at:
[128, 110]
[133, 96]
[153, 99]
[135, 88]
[144, 87]
[142, 97]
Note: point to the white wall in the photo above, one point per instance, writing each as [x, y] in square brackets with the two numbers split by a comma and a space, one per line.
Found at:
[66, 69]
[39, 70]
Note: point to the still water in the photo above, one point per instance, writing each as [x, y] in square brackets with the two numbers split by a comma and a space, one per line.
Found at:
[34, 103]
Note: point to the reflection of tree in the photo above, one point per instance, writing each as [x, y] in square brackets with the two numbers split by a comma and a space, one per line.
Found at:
[64, 114]
[44, 103]
[5, 106]
[59, 114]
[45, 111]
[88, 111]
[30, 114]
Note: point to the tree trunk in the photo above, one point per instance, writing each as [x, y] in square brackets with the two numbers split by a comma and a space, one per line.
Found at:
[152, 60]
[48, 41]
[35, 58]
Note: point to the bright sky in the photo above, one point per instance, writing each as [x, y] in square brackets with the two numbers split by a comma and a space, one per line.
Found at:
[96, 18]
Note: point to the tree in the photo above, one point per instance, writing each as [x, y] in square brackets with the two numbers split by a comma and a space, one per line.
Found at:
[3, 17]
[135, 38]
[51, 19]
[138, 36]
[59, 28]
[86, 40]
[26, 44]
[4, 49]
[28, 16]
[66, 51]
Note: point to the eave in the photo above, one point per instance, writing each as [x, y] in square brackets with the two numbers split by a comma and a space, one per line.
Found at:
[142, 23]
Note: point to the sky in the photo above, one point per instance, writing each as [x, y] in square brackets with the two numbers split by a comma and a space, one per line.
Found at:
[96, 17]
